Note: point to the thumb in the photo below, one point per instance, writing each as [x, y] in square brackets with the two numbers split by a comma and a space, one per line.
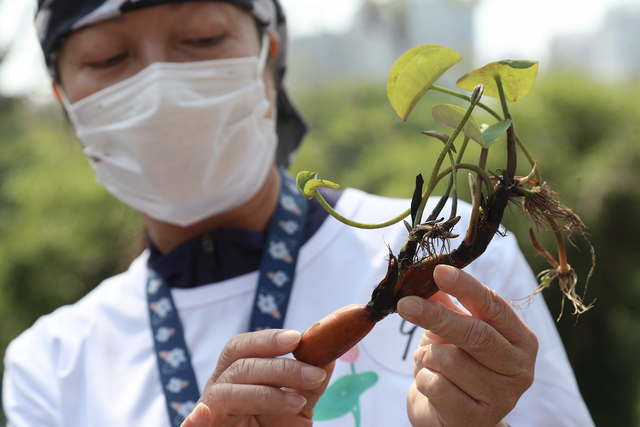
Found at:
[199, 417]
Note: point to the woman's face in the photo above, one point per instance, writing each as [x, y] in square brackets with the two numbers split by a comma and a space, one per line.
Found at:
[100, 55]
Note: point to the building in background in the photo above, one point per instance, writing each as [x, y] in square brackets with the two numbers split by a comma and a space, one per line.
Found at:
[380, 33]
[611, 52]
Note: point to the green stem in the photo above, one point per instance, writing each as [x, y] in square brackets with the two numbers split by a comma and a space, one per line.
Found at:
[477, 197]
[436, 167]
[356, 224]
[512, 155]
[503, 98]
[443, 199]
[530, 158]
[524, 149]
[475, 168]
[466, 98]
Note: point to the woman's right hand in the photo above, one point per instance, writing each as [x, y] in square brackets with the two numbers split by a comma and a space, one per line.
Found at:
[252, 386]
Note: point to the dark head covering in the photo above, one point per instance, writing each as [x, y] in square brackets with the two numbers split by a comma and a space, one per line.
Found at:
[56, 19]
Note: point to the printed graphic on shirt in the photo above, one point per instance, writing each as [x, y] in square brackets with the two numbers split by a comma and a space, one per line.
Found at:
[392, 343]
[343, 396]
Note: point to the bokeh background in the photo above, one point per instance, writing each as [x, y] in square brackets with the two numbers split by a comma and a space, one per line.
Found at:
[61, 234]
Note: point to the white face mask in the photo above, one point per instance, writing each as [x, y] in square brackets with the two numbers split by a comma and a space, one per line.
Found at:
[181, 142]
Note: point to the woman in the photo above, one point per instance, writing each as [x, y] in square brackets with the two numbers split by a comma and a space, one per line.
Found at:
[175, 104]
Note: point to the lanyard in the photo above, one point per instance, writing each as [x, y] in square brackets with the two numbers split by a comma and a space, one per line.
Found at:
[275, 282]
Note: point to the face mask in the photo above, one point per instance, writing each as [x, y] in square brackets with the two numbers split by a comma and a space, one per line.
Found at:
[181, 142]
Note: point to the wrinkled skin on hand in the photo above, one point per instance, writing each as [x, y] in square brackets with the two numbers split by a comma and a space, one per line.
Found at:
[469, 370]
[251, 386]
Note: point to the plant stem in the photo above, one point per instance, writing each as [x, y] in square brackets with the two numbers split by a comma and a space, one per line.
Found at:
[466, 98]
[503, 98]
[512, 155]
[524, 149]
[529, 157]
[562, 252]
[541, 250]
[482, 163]
[356, 224]
[436, 167]
[436, 211]
[481, 173]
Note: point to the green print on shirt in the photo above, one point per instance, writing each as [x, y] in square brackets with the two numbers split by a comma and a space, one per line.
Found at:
[343, 396]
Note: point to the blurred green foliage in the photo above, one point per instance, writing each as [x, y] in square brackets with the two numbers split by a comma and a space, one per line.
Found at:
[61, 234]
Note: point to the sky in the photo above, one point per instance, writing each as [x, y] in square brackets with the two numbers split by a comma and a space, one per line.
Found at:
[503, 29]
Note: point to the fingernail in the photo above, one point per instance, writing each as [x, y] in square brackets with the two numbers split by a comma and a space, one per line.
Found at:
[197, 412]
[313, 375]
[287, 338]
[446, 273]
[409, 306]
[295, 400]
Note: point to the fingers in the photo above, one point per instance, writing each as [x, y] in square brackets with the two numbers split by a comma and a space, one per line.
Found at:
[469, 369]
[234, 400]
[199, 417]
[263, 344]
[246, 400]
[251, 380]
[446, 301]
[467, 374]
[273, 372]
[484, 303]
[315, 394]
[494, 336]
[442, 393]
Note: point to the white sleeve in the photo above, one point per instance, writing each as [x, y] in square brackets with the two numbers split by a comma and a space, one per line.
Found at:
[554, 398]
[30, 387]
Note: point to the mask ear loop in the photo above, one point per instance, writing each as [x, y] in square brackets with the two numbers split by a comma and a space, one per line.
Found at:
[264, 54]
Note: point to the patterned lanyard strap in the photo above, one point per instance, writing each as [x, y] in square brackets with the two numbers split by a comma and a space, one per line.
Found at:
[275, 283]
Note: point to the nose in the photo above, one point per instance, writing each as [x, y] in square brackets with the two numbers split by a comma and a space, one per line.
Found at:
[151, 50]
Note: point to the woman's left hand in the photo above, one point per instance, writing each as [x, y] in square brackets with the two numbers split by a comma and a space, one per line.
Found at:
[470, 370]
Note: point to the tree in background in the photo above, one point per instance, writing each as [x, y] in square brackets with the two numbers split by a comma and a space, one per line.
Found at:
[60, 232]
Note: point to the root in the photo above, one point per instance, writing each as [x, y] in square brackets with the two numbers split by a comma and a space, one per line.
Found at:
[546, 205]
[433, 237]
[547, 212]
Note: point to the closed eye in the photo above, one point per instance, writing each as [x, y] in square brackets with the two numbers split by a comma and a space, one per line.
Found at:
[206, 41]
[109, 62]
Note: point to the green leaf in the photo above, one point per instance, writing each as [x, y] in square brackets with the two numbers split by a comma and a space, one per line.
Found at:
[493, 132]
[307, 183]
[451, 115]
[414, 73]
[343, 395]
[402, 62]
[517, 77]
